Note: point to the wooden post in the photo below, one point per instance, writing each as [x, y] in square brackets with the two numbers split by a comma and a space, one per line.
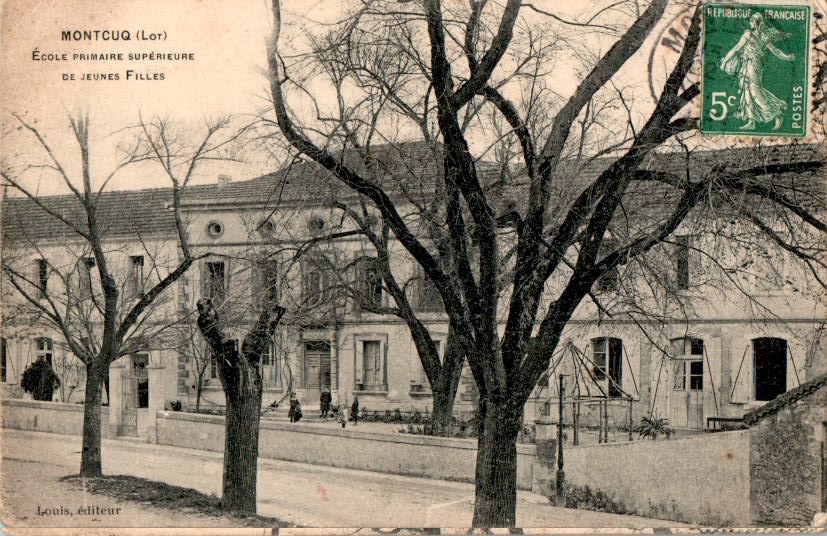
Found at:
[560, 497]
[606, 421]
[574, 423]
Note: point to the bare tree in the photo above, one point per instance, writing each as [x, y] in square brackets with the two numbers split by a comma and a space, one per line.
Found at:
[106, 317]
[556, 239]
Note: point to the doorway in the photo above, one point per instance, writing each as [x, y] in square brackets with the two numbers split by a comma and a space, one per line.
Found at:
[687, 400]
[316, 369]
[770, 366]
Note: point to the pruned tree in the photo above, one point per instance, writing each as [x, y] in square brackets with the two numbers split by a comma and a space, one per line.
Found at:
[240, 373]
[559, 232]
[79, 288]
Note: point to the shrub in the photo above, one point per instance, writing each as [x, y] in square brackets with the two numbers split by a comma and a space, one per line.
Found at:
[175, 405]
[39, 380]
[651, 426]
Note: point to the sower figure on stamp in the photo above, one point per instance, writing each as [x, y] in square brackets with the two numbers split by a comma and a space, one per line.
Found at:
[746, 60]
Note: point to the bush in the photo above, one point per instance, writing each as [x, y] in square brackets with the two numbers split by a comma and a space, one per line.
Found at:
[40, 381]
[651, 426]
[175, 405]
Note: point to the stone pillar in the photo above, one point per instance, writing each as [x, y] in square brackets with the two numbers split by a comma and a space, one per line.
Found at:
[545, 470]
[115, 397]
[157, 397]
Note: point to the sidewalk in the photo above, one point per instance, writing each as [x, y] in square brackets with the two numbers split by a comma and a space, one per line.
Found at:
[307, 495]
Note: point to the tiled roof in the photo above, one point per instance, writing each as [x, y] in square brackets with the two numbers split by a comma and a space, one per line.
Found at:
[410, 169]
[787, 399]
[121, 214]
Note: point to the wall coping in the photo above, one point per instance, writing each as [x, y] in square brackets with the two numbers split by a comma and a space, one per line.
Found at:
[468, 444]
[639, 442]
[57, 406]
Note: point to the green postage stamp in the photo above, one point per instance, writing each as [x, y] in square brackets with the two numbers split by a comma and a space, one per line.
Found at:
[755, 69]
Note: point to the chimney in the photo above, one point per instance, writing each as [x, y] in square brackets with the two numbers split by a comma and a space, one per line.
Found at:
[223, 181]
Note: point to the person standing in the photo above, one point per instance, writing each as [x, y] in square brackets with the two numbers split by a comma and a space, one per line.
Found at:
[342, 416]
[295, 412]
[354, 410]
[324, 402]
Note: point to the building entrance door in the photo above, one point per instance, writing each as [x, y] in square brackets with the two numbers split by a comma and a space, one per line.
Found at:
[687, 397]
[129, 403]
[316, 370]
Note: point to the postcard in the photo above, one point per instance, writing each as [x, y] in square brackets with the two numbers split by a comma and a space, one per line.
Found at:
[413, 266]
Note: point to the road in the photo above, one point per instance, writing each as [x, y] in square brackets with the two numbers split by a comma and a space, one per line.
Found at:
[307, 495]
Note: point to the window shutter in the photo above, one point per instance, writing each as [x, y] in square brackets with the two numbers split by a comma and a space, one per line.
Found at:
[384, 358]
[358, 361]
[416, 366]
[696, 271]
[630, 379]
[741, 370]
[795, 360]
[227, 278]
[256, 284]
[205, 280]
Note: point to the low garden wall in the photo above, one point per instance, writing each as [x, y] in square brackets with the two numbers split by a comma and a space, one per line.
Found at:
[54, 417]
[431, 457]
[703, 479]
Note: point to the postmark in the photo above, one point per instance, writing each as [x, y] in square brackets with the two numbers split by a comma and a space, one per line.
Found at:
[755, 70]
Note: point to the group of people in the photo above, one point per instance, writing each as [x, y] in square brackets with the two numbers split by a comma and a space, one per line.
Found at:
[295, 411]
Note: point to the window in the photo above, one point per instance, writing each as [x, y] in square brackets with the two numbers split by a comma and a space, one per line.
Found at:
[215, 280]
[608, 281]
[374, 374]
[214, 359]
[136, 274]
[42, 277]
[770, 366]
[687, 350]
[317, 274]
[696, 375]
[2, 359]
[607, 358]
[86, 266]
[682, 279]
[368, 287]
[266, 284]
[215, 229]
[270, 366]
[428, 298]
[43, 349]
[419, 379]
[370, 361]
[139, 365]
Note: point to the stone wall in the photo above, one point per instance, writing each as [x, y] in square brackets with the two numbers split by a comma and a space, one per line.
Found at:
[786, 463]
[700, 479]
[430, 457]
[54, 417]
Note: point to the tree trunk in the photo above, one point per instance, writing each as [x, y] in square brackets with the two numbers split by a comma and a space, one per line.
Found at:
[90, 458]
[444, 389]
[198, 394]
[240, 374]
[445, 393]
[442, 419]
[241, 447]
[496, 475]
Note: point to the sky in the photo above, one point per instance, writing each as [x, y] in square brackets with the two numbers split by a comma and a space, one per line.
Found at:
[228, 42]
